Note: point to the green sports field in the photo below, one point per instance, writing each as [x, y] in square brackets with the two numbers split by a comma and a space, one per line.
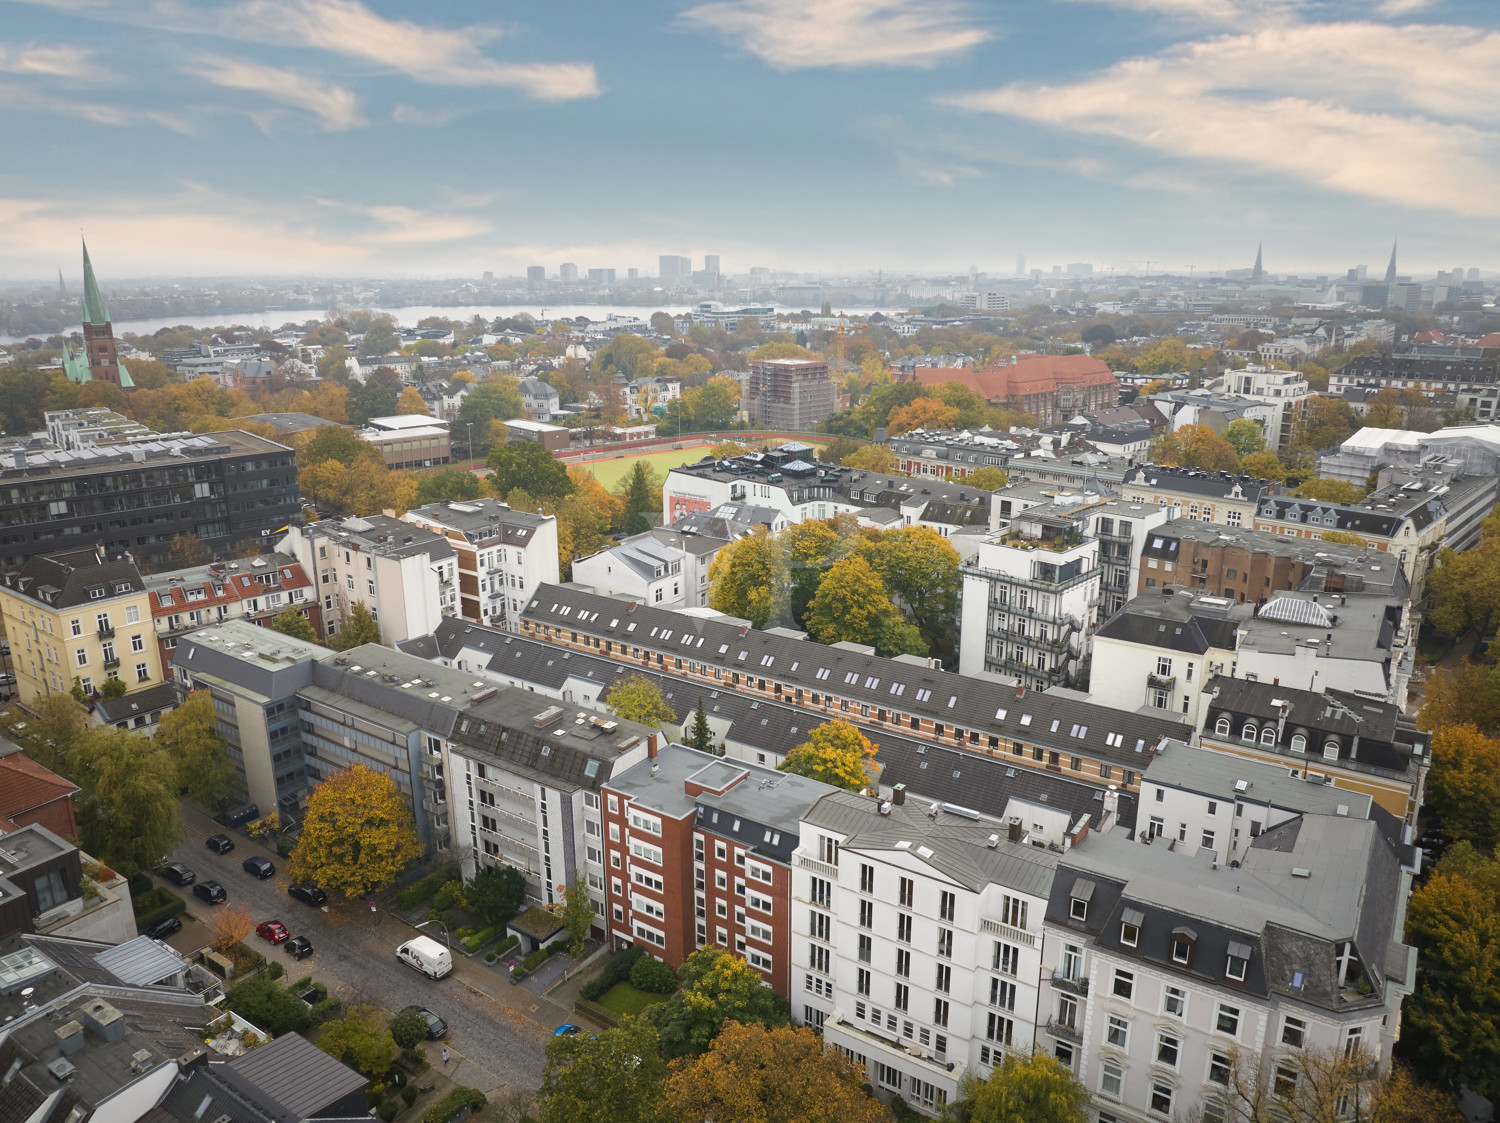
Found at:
[610, 472]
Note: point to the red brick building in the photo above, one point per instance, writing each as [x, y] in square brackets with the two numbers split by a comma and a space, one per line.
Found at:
[1053, 388]
[699, 854]
[31, 794]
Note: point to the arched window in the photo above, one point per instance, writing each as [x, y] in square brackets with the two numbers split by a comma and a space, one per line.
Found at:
[1299, 742]
[1268, 735]
[1331, 749]
[1248, 733]
[1221, 727]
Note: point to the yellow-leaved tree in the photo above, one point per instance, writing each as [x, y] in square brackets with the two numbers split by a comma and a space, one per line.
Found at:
[359, 834]
[411, 401]
[637, 698]
[835, 753]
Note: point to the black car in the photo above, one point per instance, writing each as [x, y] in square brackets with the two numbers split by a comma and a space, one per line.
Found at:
[308, 895]
[163, 928]
[298, 947]
[436, 1027]
[210, 891]
[258, 866]
[178, 874]
[219, 843]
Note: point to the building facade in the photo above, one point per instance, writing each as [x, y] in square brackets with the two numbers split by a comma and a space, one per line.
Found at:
[258, 590]
[789, 394]
[502, 555]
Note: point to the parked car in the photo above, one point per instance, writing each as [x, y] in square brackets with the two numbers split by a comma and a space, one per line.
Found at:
[299, 947]
[426, 955]
[258, 866]
[163, 928]
[178, 874]
[272, 930]
[567, 1029]
[219, 843]
[436, 1027]
[308, 895]
[210, 891]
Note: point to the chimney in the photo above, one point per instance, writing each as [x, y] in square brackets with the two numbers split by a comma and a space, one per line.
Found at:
[1112, 801]
[651, 746]
[898, 795]
[1015, 832]
[1020, 690]
[743, 629]
[388, 512]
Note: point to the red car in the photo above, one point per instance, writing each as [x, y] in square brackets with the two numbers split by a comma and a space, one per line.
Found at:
[272, 930]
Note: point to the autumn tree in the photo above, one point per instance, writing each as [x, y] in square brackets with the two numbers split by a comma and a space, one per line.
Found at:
[781, 1075]
[636, 698]
[189, 550]
[874, 458]
[1467, 692]
[612, 1077]
[850, 604]
[1463, 785]
[836, 753]
[363, 488]
[290, 622]
[358, 834]
[988, 478]
[924, 413]
[577, 914]
[127, 808]
[190, 736]
[1465, 587]
[1263, 466]
[229, 924]
[59, 722]
[717, 987]
[1327, 423]
[1195, 446]
[1034, 1089]
[749, 578]
[362, 1040]
[811, 549]
[1167, 357]
[919, 566]
[411, 402]
[1329, 490]
[1246, 436]
[330, 442]
[357, 630]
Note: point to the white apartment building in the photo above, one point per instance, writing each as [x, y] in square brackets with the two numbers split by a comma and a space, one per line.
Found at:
[406, 576]
[1030, 600]
[1286, 391]
[1160, 649]
[1123, 530]
[1161, 964]
[917, 939]
[503, 555]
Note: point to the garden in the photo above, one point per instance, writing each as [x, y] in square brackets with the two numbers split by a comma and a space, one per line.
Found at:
[470, 914]
[630, 982]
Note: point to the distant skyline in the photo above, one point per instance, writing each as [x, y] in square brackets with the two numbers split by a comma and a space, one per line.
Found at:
[341, 138]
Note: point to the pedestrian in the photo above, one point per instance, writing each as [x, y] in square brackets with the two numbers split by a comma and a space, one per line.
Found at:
[445, 1056]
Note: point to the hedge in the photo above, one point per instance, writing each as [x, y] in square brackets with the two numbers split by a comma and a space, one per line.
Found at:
[153, 898]
[424, 887]
[617, 970]
[505, 945]
[482, 937]
[140, 884]
[454, 1102]
[172, 908]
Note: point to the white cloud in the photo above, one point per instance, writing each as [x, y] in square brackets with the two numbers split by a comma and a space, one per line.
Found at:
[433, 55]
[336, 107]
[61, 61]
[1395, 8]
[802, 34]
[101, 113]
[1395, 114]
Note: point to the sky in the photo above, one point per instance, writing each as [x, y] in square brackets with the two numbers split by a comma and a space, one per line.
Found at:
[392, 137]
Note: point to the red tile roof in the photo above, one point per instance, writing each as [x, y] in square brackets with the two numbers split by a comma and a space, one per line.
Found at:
[1029, 374]
[25, 785]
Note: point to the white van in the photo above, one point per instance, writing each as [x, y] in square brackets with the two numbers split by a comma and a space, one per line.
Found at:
[426, 955]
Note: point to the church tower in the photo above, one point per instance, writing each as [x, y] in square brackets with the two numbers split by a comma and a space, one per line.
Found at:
[1390, 270]
[98, 362]
[1257, 274]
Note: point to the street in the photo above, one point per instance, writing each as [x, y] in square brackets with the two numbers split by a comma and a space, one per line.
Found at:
[497, 1033]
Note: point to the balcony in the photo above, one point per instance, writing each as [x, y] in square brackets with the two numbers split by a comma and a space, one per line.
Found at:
[1015, 935]
[1113, 536]
[1058, 1029]
[824, 868]
[111, 662]
[1078, 986]
[1161, 682]
[106, 631]
[1042, 586]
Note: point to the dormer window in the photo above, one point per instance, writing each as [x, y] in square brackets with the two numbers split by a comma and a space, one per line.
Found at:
[1184, 942]
[1079, 898]
[1237, 962]
[1130, 927]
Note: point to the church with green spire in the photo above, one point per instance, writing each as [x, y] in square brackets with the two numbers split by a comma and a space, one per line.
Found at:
[96, 360]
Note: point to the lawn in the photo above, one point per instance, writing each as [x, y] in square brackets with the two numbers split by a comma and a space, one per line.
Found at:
[622, 998]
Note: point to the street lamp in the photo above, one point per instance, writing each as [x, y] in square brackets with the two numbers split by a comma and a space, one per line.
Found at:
[441, 925]
[470, 424]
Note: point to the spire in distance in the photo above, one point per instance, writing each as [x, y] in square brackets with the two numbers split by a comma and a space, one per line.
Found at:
[1258, 272]
[94, 311]
[62, 289]
[1390, 270]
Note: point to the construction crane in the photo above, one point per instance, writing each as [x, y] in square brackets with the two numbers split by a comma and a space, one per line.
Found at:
[1149, 264]
[838, 349]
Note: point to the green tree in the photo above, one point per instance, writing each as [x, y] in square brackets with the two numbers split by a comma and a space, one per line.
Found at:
[702, 737]
[60, 721]
[838, 448]
[895, 635]
[380, 337]
[408, 1028]
[918, 565]
[1035, 1089]
[359, 629]
[290, 622]
[358, 834]
[362, 1041]
[612, 1077]
[836, 753]
[636, 698]
[113, 688]
[988, 478]
[850, 604]
[1465, 587]
[495, 893]
[190, 736]
[749, 578]
[528, 466]
[487, 402]
[577, 914]
[1327, 423]
[782, 1075]
[127, 808]
[1246, 436]
[334, 361]
[638, 491]
[450, 483]
[717, 987]
[265, 1003]
[635, 523]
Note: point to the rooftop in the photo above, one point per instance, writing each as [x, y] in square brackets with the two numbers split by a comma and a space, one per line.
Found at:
[244, 640]
[383, 536]
[1235, 778]
[168, 450]
[483, 519]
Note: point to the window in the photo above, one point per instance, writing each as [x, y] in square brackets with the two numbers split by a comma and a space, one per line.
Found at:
[944, 981]
[1168, 1049]
[903, 927]
[1124, 986]
[1014, 912]
[142, 673]
[1117, 1033]
[903, 997]
[867, 914]
[865, 947]
[1234, 965]
[1284, 1083]
[1000, 1028]
[1077, 909]
[1228, 1021]
[51, 890]
[908, 891]
[1163, 666]
[940, 1012]
[1182, 947]
[945, 943]
[1072, 961]
[903, 963]
[1221, 727]
[1002, 994]
[1219, 1068]
[1248, 733]
[946, 904]
[132, 614]
[1174, 1001]
[76, 626]
[1111, 1079]
[1007, 958]
[82, 656]
[1353, 1041]
[1130, 932]
[1299, 742]
[862, 983]
[1293, 1032]
[1161, 1098]
[866, 878]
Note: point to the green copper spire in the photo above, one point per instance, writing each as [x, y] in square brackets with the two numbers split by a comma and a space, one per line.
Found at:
[94, 311]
